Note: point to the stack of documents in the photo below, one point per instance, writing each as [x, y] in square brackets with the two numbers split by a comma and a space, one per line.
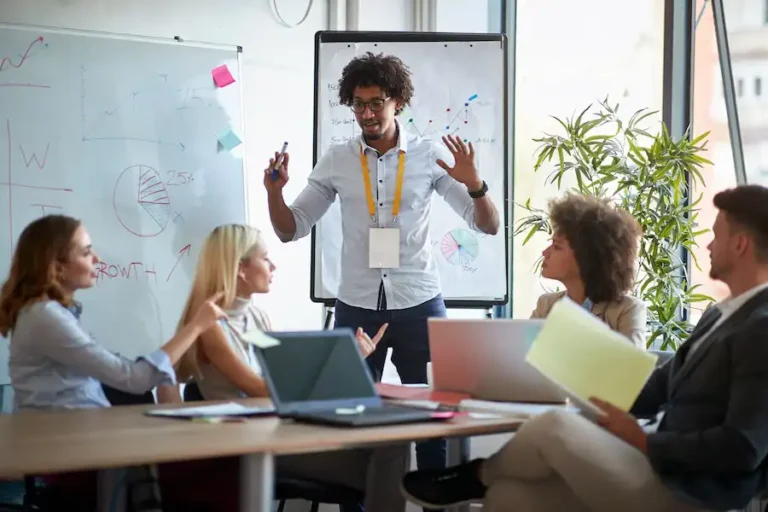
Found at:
[586, 358]
[516, 409]
[212, 411]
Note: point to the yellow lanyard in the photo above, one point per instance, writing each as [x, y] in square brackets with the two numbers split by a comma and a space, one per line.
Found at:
[369, 191]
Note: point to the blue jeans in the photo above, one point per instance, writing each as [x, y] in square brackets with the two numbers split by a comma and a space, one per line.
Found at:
[407, 335]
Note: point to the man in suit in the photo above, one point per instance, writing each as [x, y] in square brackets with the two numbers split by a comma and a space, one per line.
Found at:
[709, 449]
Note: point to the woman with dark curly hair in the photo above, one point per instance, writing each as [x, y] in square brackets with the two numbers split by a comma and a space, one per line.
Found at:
[593, 254]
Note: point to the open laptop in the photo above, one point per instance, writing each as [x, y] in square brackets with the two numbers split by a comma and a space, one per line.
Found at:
[320, 377]
[486, 359]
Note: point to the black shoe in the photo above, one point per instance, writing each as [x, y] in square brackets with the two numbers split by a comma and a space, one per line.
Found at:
[442, 488]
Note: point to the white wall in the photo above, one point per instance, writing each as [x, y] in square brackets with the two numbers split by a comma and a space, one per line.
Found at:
[392, 15]
[278, 75]
[462, 15]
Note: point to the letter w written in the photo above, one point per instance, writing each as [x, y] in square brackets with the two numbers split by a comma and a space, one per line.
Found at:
[33, 156]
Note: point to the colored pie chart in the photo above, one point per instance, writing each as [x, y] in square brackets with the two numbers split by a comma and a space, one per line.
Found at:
[460, 247]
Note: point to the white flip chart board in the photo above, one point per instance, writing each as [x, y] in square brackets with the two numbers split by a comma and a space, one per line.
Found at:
[460, 83]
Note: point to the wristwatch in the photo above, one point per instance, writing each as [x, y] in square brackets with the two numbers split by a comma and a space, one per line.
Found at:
[477, 194]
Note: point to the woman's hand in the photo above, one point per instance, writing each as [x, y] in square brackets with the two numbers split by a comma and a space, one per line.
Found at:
[366, 344]
[208, 313]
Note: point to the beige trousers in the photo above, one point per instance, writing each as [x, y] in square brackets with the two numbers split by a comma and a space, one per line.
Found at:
[561, 461]
[375, 471]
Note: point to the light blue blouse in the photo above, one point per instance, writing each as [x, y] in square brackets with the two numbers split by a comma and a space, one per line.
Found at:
[55, 363]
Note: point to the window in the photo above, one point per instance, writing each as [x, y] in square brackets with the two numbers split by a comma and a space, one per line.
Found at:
[746, 45]
[621, 60]
[709, 115]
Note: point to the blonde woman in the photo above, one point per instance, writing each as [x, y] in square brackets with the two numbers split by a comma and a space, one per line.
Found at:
[235, 263]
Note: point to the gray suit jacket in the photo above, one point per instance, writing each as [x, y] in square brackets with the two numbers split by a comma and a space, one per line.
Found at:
[712, 441]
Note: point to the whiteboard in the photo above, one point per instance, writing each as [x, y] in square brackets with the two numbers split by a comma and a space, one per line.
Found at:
[460, 83]
[122, 134]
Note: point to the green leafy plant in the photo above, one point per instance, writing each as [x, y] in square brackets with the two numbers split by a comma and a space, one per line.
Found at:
[648, 176]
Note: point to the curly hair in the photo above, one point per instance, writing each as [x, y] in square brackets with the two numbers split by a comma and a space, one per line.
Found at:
[604, 240]
[369, 70]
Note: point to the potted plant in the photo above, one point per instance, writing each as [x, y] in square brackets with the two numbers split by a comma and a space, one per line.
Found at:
[649, 176]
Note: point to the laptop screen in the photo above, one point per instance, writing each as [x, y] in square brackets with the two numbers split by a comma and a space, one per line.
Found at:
[316, 366]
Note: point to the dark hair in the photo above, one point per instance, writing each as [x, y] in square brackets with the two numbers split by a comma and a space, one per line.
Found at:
[33, 271]
[604, 240]
[369, 70]
[747, 206]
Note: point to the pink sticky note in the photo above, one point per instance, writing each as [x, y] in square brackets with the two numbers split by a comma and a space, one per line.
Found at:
[222, 77]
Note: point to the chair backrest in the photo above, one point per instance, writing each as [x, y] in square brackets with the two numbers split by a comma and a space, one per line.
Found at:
[664, 356]
[117, 397]
[192, 392]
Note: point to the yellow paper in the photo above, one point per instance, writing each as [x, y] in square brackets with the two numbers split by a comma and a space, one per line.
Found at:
[577, 351]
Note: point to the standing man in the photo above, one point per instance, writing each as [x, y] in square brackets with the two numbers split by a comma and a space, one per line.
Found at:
[385, 180]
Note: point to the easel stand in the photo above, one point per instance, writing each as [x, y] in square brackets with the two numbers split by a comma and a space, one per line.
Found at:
[328, 318]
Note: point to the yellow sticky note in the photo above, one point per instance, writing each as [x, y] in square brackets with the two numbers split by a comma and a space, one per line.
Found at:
[581, 354]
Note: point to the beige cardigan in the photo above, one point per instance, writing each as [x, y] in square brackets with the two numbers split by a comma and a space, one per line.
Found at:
[626, 315]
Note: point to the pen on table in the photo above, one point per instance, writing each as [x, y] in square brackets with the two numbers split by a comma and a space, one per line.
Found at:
[278, 161]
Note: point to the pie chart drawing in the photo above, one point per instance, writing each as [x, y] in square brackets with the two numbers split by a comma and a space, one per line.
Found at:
[141, 201]
[460, 247]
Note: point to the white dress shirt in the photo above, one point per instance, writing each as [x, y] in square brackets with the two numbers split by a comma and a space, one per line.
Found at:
[339, 172]
[727, 308]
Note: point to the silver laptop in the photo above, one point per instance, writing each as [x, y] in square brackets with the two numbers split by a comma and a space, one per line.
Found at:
[486, 359]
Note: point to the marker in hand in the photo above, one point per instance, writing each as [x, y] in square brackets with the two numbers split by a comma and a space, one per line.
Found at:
[278, 161]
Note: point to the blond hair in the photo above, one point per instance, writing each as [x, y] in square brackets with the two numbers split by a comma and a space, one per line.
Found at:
[223, 251]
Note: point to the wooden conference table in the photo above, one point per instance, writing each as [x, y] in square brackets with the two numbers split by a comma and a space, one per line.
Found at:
[109, 439]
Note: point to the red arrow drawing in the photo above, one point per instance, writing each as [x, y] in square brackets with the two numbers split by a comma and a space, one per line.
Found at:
[182, 252]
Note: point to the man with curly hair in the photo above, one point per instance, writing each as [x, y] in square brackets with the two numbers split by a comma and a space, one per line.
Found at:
[385, 180]
[709, 449]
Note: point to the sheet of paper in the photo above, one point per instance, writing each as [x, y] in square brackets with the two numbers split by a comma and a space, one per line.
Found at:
[229, 140]
[226, 409]
[222, 77]
[521, 409]
[581, 354]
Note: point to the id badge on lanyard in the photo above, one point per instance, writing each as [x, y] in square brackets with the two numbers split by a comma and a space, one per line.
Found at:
[383, 243]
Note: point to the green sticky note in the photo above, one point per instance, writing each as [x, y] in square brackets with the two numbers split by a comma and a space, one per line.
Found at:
[581, 354]
[254, 337]
[229, 139]
[261, 340]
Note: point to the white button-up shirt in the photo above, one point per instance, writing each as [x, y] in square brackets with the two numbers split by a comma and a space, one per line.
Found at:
[727, 308]
[339, 172]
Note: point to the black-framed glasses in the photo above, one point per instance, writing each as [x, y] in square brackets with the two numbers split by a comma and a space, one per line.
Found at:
[376, 105]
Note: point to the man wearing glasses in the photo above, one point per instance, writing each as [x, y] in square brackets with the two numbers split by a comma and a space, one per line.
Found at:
[385, 180]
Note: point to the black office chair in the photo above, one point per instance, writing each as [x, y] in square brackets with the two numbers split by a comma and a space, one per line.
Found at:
[299, 488]
[118, 398]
